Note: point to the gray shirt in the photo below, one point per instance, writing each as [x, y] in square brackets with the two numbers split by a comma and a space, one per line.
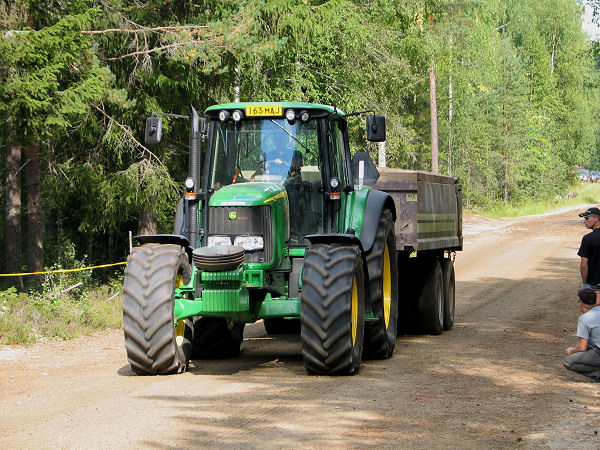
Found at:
[588, 326]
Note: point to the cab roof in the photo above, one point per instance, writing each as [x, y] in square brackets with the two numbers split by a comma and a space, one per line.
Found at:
[284, 105]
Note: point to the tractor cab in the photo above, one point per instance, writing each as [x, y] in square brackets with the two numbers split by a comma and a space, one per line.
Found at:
[282, 144]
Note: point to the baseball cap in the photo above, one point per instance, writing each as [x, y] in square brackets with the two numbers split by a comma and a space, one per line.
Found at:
[587, 296]
[590, 212]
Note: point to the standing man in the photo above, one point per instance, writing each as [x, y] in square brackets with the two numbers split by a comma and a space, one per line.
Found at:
[589, 251]
[584, 358]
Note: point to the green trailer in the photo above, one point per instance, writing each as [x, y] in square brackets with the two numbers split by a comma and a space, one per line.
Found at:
[278, 223]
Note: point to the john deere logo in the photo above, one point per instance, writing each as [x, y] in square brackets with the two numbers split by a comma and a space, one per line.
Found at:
[232, 215]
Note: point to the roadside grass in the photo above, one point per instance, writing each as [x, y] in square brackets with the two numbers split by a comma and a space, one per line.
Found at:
[26, 318]
[579, 194]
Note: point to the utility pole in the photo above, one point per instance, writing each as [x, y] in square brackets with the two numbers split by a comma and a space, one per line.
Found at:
[381, 154]
[236, 87]
[450, 110]
[433, 112]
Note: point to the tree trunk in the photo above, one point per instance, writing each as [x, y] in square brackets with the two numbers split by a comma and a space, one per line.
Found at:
[90, 247]
[111, 247]
[236, 88]
[13, 242]
[450, 110]
[506, 162]
[433, 112]
[35, 223]
[147, 222]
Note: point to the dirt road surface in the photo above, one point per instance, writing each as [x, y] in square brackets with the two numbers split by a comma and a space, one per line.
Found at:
[495, 380]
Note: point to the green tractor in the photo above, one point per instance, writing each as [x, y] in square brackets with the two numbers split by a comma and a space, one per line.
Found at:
[276, 223]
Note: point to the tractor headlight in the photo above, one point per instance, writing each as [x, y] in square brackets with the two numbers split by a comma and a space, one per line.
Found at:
[223, 115]
[250, 243]
[189, 184]
[237, 115]
[218, 240]
[290, 115]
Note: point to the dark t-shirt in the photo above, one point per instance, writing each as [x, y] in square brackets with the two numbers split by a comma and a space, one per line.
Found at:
[590, 249]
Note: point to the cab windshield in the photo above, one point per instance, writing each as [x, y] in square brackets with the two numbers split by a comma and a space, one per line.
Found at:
[262, 150]
[273, 150]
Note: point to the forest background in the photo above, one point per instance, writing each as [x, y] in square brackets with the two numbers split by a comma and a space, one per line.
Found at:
[517, 96]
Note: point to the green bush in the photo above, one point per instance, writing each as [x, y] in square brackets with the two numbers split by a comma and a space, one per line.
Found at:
[27, 317]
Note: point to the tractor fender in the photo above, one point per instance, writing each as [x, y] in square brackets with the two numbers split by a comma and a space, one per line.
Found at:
[377, 201]
[348, 239]
[176, 239]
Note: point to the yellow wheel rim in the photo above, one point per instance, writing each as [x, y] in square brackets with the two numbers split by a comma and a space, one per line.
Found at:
[354, 310]
[180, 327]
[387, 287]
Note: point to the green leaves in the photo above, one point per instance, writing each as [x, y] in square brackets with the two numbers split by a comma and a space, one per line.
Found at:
[517, 91]
[49, 77]
[522, 109]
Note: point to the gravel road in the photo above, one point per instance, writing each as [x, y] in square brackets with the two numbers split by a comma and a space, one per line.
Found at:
[494, 381]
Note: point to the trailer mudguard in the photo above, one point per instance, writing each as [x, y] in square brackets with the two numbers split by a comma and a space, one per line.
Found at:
[377, 201]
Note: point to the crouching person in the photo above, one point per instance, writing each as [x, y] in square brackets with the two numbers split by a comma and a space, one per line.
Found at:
[584, 358]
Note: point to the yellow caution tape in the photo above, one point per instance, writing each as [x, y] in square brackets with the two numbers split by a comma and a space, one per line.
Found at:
[61, 270]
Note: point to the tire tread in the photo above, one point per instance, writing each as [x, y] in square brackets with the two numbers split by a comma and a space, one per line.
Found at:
[148, 309]
[325, 309]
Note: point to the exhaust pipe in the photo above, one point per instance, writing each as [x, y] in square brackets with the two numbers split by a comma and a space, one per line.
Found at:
[194, 174]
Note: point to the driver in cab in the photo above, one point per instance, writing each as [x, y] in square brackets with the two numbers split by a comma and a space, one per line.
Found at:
[279, 159]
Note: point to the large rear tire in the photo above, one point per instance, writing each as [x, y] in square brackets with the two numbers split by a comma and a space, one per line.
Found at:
[449, 295]
[332, 313]
[431, 301]
[155, 345]
[216, 338]
[380, 335]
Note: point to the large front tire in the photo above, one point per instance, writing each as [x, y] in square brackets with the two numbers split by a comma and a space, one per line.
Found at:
[332, 313]
[155, 345]
[380, 335]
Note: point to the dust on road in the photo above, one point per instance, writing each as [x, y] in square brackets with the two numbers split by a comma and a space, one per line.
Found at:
[495, 380]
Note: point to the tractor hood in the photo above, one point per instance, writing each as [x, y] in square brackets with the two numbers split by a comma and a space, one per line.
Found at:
[248, 194]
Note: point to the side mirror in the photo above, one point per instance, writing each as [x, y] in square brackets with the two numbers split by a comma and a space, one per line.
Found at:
[375, 128]
[153, 130]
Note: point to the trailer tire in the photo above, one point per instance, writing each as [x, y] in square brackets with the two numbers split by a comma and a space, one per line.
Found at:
[155, 346]
[449, 293]
[380, 335]
[407, 294]
[332, 313]
[431, 301]
[279, 325]
[216, 338]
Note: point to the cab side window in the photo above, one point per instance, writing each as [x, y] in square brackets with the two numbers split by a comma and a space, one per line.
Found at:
[336, 151]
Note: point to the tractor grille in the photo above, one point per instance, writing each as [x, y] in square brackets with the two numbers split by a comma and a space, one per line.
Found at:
[255, 220]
